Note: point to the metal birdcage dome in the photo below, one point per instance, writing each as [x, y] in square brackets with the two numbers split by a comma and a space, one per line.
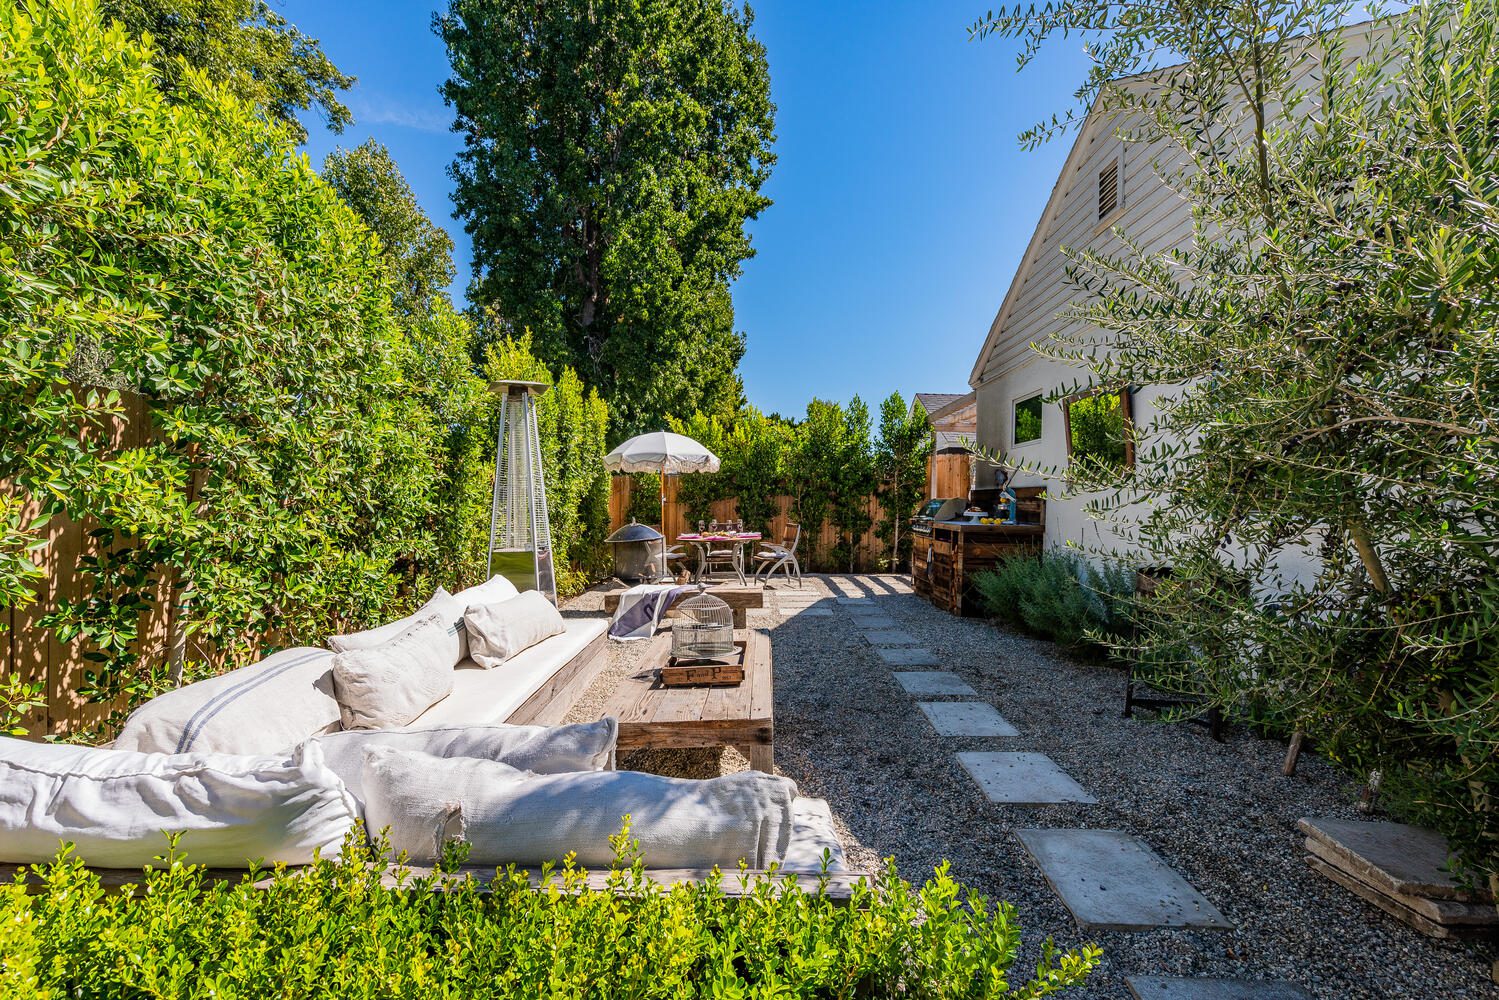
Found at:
[703, 630]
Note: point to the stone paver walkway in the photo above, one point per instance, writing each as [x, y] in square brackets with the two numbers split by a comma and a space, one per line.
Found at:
[1022, 779]
[1112, 881]
[966, 718]
[934, 682]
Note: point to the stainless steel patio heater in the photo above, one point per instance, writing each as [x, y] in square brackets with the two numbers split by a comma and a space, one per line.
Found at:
[520, 534]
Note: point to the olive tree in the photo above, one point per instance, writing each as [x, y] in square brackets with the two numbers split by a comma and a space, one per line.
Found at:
[1327, 345]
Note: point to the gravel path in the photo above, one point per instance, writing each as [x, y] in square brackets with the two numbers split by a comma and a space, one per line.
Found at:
[1219, 814]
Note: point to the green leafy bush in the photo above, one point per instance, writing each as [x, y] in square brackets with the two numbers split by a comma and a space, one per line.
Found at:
[333, 930]
[1061, 597]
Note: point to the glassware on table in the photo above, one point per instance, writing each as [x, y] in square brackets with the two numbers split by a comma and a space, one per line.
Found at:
[701, 527]
[713, 526]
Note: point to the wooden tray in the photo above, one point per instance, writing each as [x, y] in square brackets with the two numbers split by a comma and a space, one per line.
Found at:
[696, 674]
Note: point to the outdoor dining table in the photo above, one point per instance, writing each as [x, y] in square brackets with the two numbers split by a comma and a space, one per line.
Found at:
[705, 541]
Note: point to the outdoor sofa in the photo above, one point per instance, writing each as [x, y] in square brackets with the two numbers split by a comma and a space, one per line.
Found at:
[262, 762]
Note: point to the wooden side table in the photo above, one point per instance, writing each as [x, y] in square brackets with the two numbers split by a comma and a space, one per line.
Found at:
[654, 717]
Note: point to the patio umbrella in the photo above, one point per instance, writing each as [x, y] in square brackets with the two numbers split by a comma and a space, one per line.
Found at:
[665, 453]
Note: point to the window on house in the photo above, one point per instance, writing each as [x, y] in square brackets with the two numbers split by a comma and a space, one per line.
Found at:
[1108, 190]
[1028, 419]
[1100, 430]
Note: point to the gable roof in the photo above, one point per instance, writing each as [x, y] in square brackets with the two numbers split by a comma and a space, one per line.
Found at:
[932, 402]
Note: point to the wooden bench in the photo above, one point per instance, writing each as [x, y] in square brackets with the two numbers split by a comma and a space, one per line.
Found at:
[739, 599]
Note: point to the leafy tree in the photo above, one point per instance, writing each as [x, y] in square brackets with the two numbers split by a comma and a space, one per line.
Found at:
[419, 255]
[419, 251]
[752, 451]
[831, 474]
[900, 456]
[245, 46]
[613, 153]
[1332, 339]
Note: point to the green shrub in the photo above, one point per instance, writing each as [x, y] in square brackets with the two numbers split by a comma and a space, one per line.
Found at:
[1061, 597]
[332, 930]
[179, 260]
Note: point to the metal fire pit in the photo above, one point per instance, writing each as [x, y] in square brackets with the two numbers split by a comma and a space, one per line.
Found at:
[637, 551]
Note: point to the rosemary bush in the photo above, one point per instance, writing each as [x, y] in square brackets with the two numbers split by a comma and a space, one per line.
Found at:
[1061, 597]
[332, 930]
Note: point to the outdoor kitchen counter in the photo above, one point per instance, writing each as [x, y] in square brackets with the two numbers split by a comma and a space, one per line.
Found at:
[944, 562]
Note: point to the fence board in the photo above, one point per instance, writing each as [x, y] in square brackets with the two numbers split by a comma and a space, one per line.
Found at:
[869, 551]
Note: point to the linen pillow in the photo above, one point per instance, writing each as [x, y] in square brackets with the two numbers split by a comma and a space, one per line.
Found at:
[508, 816]
[267, 707]
[586, 746]
[491, 591]
[388, 685]
[499, 631]
[113, 805]
[441, 602]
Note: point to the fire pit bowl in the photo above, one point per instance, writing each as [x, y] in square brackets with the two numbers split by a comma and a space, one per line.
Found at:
[637, 552]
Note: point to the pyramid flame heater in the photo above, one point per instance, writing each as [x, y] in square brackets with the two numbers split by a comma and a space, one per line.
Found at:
[520, 534]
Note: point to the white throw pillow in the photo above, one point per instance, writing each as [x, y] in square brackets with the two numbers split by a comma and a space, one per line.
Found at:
[442, 603]
[387, 686]
[113, 805]
[586, 746]
[499, 631]
[491, 591]
[509, 816]
[267, 707]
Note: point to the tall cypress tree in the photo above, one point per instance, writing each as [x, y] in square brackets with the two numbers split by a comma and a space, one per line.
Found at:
[613, 153]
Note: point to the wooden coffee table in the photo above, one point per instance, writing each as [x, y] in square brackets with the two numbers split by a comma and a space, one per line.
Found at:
[655, 717]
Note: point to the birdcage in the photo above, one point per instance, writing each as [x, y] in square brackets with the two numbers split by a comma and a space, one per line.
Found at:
[703, 630]
[520, 533]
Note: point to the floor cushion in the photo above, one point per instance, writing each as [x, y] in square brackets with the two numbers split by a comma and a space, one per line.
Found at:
[812, 833]
[389, 685]
[586, 746]
[442, 602]
[506, 815]
[113, 805]
[500, 631]
[267, 707]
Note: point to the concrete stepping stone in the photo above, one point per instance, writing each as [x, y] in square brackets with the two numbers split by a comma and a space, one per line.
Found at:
[866, 602]
[933, 682]
[907, 656]
[966, 718]
[1173, 988]
[1022, 779]
[1111, 881]
[890, 637]
[808, 613]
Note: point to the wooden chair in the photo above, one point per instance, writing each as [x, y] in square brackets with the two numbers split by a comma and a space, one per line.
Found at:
[783, 557]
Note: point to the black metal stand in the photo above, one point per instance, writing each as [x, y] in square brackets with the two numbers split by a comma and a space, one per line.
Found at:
[1212, 719]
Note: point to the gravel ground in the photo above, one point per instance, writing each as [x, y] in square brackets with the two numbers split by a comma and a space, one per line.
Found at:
[1219, 814]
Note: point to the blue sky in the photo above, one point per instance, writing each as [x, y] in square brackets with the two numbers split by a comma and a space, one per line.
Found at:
[902, 199]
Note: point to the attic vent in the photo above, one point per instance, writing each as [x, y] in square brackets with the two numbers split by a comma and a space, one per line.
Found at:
[1108, 190]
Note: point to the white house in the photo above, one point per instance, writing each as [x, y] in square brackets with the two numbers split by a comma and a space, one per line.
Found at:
[1106, 183]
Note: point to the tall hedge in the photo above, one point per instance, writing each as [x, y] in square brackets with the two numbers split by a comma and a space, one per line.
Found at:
[182, 253]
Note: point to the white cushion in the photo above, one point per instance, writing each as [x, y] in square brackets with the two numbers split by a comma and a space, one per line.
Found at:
[113, 805]
[441, 602]
[508, 816]
[497, 632]
[491, 591]
[481, 697]
[812, 833]
[587, 746]
[389, 685]
[267, 707]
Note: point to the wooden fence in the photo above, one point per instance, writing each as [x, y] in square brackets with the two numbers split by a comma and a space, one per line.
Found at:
[947, 475]
[33, 652]
[869, 554]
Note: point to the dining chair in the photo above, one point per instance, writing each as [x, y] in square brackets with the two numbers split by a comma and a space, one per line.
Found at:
[783, 557]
